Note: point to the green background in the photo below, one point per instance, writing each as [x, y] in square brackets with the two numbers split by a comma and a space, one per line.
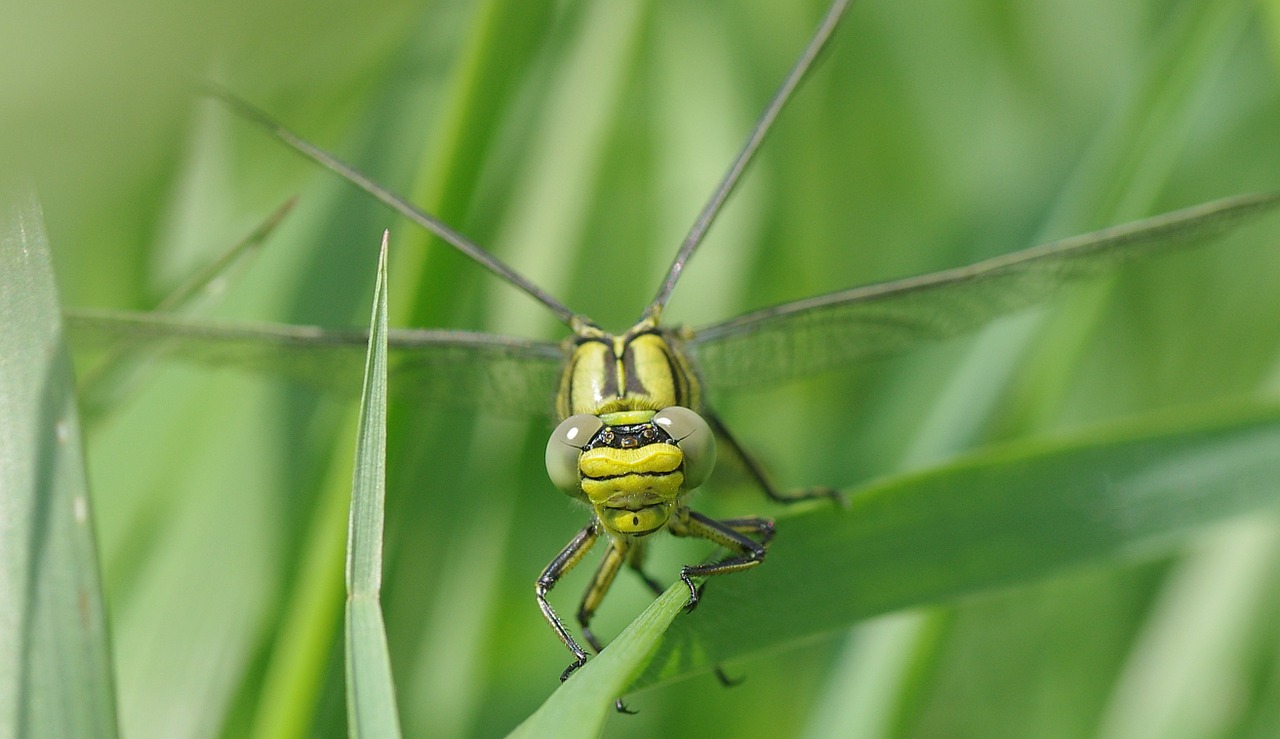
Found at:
[578, 141]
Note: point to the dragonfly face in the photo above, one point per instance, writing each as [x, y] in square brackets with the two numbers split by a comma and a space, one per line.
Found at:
[628, 443]
[632, 467]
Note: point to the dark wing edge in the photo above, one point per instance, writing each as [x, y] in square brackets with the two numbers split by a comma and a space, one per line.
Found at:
[498, 374]
[825, 332]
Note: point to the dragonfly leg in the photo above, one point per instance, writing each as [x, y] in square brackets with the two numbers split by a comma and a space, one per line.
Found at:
[756, 470]
[600, 583]
[745, 551]
[635, 560]
[636, 563]
[563, 562]
[764, 528]
[620, 550]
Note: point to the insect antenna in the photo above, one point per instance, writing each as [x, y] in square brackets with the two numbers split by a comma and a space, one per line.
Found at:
[731, 178]
[398, 204]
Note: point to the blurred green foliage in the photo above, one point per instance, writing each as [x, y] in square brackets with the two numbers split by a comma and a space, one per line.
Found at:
[578, 140]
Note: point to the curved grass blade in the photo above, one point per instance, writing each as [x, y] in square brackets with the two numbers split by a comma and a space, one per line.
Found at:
[579, 708]
[55, 672]
[822, 333]
[1004, 516]
[371, 698]
[496, 373]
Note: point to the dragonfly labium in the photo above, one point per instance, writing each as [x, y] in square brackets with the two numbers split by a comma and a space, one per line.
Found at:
[635, 434]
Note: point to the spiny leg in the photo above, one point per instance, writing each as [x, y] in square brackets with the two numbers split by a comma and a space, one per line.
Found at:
[752, 525]
[600, 583]
[563, 562]
[635, 560]
[764, 528]
[620, 550]
[756, 470]
[747, 552]
[636, 563]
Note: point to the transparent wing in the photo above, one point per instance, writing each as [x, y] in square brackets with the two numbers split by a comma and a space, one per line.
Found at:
[825, 332]
[496, 373]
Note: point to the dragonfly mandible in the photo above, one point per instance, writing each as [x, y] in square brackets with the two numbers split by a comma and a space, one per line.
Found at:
[766, 346]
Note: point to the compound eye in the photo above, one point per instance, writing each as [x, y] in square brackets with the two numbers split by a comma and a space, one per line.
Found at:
[564, 447]
[695, 440]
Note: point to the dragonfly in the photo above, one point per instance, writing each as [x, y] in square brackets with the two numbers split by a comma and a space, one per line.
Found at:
[635, 433]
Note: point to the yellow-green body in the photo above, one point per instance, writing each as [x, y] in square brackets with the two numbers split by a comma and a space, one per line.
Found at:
[624, 380]
[640, 370]
[631, 443]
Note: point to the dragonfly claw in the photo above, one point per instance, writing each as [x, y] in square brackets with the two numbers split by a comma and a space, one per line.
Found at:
[695, 592]
[727, 681]
[579, 662]
[622, 708]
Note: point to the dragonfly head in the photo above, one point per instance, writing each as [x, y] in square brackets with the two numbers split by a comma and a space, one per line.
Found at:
[631, 467]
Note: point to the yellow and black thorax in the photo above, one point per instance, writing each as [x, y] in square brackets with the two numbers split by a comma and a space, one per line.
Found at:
[629, 443]
[643, 369]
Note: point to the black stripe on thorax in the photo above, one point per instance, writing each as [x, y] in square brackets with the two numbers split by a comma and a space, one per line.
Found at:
[633, 474]
[610, 367]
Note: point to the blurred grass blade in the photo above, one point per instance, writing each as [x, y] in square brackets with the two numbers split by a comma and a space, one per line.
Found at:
[121, 368]
[371, 699]
[208, 281]
[55, 673]
[579, 708]
[1198, 629]
[1008, 515]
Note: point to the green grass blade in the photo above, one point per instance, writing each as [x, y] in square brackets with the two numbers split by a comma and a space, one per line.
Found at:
[55, 672]
[371, 699]
[580, 707]
[1008, 515]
